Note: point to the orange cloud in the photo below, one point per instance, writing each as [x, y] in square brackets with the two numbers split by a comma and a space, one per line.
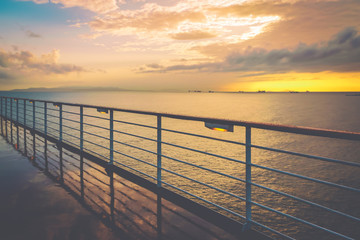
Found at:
[192, 35]
[145, 20]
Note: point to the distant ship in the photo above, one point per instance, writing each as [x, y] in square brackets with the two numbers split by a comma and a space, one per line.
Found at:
[261, 91]
[293, 92]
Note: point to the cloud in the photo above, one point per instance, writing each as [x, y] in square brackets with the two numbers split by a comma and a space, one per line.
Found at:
[5, 76]
[31, 34]
[90, 36]
[339, 54]
[26, 62]
[192, 35]
[185, 20]
[300, 21]
[99, 6]
[151, 18]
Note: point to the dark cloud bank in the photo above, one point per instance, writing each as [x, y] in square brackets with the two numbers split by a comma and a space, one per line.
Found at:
[340, 54]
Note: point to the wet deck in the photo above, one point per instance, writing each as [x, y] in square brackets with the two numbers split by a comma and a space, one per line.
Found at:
[35, 205]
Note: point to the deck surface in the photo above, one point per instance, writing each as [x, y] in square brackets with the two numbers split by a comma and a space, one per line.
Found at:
[33, 206]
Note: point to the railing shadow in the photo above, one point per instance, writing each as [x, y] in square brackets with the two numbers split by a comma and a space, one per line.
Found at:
[130, 210]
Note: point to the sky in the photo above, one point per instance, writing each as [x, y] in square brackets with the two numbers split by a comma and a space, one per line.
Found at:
[179, 45]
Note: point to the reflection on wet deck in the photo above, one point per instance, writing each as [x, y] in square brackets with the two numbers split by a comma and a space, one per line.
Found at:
[129, 210]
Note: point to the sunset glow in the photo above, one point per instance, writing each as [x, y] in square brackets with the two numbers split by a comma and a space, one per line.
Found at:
[230, 45]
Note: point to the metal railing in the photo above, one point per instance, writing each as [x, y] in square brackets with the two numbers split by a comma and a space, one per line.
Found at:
[99, 131]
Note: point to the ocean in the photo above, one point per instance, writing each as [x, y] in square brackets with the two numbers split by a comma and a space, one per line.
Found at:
[335, 111]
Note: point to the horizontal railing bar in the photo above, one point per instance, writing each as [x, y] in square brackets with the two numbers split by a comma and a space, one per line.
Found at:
[92, 125]
[42, 119]
[93, 116]
[204, 168]
[134, 135]
[75, 129]
[95, 135]
[300, 220]
[204, 184]
[202, 136]
[53, 129]
[132, 146]
[275, 127]
[96, 144]
[202, 199]
[135, 124]
[53, 109]
[308, 156]
[206, 153]
[74, 113]
[47, 114]
[70, 120]
[308, 178]
[68, 134]
[135, 170]
[123, 154]
[29, 115]
[306, 201]
[41, 113]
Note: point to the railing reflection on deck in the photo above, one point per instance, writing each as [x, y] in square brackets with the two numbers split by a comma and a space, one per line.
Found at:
[75, 133]
[130, 210]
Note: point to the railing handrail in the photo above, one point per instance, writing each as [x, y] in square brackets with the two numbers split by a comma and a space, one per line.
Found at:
[310, 131]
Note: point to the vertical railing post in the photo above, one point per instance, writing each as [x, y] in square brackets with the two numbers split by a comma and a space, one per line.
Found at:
[60, 142]
[6, 119]
[25, 150]
[33, 128]
[45, 133]
[11, 120]
[17, 123]
[247, 225]
[111, 136]
[81, 151]
[2, 116]
[159, 151]
[111, 173]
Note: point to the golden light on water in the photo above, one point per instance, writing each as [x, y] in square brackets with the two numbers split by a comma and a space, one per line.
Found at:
[322, 82]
